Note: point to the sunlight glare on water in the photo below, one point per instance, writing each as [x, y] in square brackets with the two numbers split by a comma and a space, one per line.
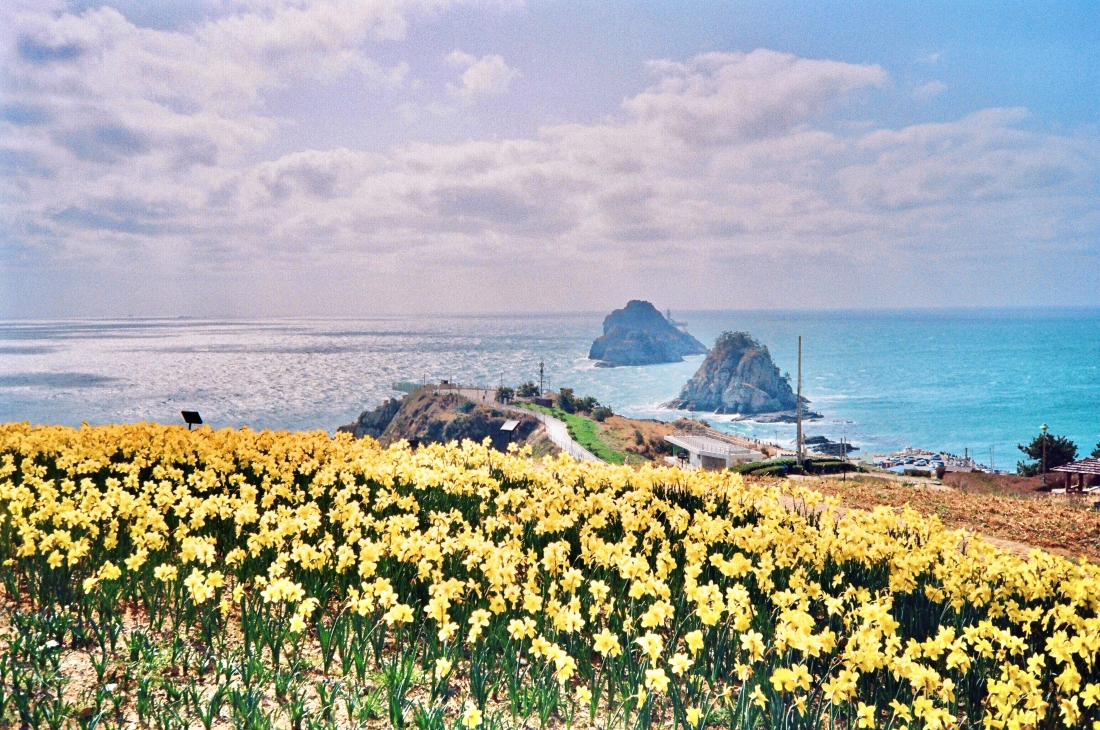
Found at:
[936, 379]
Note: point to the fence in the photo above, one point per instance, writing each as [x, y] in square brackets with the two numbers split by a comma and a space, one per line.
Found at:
[556, 430]
[558, 434]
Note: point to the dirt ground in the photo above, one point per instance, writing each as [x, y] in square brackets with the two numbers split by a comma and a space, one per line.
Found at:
[1005, 484]
[622, 434]
[1066, 526]
[540, 444]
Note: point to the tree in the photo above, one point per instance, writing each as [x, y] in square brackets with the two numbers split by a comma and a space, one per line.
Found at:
[565, 400]
[1096, 452]
[505, 394]
[570, 403]
[586, 404]
[1059, 450]
[527, 390]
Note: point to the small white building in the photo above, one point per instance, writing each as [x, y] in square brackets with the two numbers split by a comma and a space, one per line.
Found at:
[705, 452]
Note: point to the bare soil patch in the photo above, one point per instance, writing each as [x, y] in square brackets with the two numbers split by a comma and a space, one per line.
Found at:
[1068, 528]
[1004, 484]
[643, 438]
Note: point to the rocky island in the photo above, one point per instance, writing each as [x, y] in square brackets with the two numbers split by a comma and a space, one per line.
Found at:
[640, 335]
[738, 376]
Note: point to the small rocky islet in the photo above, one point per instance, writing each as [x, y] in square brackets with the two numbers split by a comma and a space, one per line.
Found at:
[738, 376]
[638, 334]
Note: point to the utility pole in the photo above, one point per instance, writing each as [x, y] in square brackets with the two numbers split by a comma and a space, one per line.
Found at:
[844, 455]
[798, 419]
[541, 366]
[1043, 428]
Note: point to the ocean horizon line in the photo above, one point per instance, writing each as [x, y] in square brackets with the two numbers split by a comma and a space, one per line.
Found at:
[947, 309]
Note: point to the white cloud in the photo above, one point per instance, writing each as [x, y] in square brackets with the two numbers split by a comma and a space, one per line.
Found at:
[930, 90]
[150, 125]
[485, 76]
[127, 151]
[589, 195]
[115, 91]
[719, 97]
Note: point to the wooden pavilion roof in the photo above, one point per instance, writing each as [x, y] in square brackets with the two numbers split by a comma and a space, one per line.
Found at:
[1081, 466]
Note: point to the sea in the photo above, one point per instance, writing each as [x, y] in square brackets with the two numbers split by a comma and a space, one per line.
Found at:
[975, 381]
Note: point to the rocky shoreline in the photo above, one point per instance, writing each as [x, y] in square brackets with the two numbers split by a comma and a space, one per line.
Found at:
[825, 445]
[781, 416]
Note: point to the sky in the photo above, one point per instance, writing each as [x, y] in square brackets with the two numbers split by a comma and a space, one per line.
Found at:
[374, 157]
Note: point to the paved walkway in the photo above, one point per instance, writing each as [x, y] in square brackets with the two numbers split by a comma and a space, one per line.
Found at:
[556, 430]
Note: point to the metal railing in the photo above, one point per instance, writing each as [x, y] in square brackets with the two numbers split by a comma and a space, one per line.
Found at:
[556, 430]
[712, 446]
[558, 433]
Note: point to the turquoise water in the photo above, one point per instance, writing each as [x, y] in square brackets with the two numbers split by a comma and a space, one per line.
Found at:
[943, 380]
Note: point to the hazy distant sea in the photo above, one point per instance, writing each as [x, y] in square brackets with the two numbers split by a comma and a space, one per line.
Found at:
[884, 380]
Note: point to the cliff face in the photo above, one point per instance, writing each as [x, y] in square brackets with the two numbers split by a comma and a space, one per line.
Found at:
[431, 417]
[738, 376]
[640, 335]
[373, 423]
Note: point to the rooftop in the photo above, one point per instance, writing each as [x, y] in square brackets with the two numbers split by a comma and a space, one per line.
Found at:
[710, 446]
[1081, 466]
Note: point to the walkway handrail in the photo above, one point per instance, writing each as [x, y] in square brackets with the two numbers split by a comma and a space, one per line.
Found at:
[565, 443]
[556, 429]
[703, 443]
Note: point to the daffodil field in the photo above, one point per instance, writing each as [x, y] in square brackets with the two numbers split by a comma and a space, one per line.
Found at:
[160, 578]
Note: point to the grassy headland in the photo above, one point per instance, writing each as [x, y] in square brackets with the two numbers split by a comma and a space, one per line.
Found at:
[584, 431]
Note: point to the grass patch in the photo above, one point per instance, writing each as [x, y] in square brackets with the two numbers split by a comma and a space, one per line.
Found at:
[584, 431]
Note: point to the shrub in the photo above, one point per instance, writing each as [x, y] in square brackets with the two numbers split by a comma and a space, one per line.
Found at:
[586, 404]
[827, 466]
[753, 466]
[776, 470]
[601, 413]
[660, 446]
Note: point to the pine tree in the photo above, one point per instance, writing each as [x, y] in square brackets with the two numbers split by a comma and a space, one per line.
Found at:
[1059, 450]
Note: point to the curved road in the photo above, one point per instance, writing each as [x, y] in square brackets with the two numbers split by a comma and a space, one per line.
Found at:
[556, 430]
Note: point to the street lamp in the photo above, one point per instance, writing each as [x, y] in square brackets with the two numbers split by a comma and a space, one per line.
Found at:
[1043, 430]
